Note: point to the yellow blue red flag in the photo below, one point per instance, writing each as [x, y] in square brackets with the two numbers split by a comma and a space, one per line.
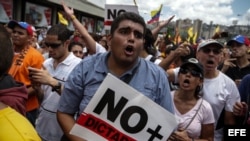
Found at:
[155, 15]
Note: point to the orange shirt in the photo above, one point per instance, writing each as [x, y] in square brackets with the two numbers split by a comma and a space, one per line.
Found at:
[19, 72]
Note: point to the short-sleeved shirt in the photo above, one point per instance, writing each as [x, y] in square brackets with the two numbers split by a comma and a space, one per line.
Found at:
[46, 124]
[221, 93]
[84, 80]
[20, 72]
[204, 116]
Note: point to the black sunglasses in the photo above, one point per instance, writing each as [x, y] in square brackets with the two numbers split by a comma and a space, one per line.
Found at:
[192, 72]
[208, 50]
[52, 45]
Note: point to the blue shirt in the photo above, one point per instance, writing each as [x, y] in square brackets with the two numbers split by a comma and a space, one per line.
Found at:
[244, 88]
[87, 76]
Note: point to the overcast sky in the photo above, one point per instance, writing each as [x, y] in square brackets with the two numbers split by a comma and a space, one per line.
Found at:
[219, 11]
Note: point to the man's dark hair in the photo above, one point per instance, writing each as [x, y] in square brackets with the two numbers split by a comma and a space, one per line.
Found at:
[149, 42]
[6, 51]
[127, 16]
[61, 31]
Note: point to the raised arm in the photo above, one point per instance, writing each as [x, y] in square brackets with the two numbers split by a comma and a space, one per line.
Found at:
[161, 24]
[89, 41]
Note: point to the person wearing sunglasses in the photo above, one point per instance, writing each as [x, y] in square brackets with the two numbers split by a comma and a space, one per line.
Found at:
[51, 78]
[193, 113]
[238, 65]
[219, 90]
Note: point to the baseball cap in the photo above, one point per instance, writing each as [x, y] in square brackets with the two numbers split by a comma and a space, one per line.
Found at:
[239, 39]
[23, 25]
[207, 42]
[194, 62]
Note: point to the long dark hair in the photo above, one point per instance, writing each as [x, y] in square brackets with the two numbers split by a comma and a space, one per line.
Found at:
[6, 49]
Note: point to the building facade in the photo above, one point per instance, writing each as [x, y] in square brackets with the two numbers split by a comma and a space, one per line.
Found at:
[43, 13]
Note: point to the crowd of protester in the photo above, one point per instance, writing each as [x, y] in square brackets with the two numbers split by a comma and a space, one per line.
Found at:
[46, 81]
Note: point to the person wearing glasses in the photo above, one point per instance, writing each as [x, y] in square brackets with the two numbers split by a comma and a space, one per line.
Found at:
[218, 89]
[193, 113]
[238, 65]
[51, 78]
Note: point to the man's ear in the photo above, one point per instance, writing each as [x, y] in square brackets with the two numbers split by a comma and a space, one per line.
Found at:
[109, 38]
[66, 43]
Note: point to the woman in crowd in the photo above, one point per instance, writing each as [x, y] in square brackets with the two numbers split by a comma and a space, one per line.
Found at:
[77, 48]
[193, 113]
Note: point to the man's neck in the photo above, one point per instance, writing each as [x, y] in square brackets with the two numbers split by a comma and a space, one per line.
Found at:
[116, 68]
[59, 60]
[242, 62]
[211, 74]
[19, 49]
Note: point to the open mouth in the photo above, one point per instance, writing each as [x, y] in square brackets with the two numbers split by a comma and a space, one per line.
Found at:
[210, 62]
[129, 50]
[186, 81]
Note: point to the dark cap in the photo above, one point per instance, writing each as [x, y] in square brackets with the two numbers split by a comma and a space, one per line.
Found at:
[193, 62]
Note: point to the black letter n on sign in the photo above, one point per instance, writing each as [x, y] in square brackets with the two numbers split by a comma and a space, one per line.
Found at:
[110, 14]
[109, 99]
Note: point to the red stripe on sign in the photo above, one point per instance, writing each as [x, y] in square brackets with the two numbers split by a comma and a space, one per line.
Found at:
[102, 128]
[108, 22]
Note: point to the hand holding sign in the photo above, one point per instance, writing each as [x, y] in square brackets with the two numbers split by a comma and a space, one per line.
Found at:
[119, 111]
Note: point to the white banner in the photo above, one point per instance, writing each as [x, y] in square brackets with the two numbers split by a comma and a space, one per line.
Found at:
[112, 11]
[119, 112]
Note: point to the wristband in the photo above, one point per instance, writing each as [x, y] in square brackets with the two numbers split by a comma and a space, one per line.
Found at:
[72, 17]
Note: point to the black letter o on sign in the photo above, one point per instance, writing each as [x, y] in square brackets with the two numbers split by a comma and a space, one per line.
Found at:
[128, 113]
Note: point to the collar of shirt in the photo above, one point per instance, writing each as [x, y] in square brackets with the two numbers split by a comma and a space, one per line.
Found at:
[101, 65]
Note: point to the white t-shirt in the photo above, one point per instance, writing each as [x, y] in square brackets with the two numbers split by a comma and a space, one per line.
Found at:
[220, 92]
[157, 61]
[204, 116]
[100, 48]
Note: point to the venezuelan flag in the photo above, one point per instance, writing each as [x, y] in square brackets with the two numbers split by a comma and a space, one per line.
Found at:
[155, 14]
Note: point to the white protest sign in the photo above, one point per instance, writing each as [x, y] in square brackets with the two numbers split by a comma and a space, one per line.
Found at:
[112, 11]
[119, 112]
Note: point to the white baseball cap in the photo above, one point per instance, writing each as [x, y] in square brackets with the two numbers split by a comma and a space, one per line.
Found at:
[207, 42]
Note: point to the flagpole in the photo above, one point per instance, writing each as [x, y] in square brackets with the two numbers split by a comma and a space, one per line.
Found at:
[135, 3]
